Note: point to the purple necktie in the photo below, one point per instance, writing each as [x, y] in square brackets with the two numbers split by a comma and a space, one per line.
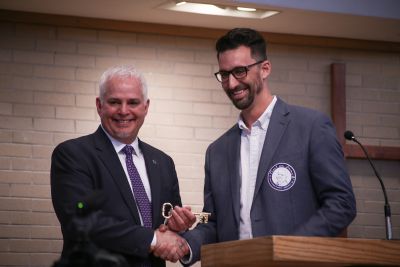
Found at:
[142, 200]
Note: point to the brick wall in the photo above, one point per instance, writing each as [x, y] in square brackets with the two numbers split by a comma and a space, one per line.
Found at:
[48, 84]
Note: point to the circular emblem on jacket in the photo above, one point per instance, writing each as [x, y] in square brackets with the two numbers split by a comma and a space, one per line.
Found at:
[281, 177]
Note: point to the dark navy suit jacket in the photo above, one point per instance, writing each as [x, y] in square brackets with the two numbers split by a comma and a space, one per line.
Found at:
[320, 202]
[89, 163]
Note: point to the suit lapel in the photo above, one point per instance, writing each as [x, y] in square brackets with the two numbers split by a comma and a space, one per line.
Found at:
[277, 126]
[153, 174]
[233, 156]
[111, 161]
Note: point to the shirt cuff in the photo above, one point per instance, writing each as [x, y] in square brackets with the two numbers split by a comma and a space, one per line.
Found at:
[187, 258]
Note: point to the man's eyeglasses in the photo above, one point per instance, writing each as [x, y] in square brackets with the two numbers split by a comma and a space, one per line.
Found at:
[238, 72]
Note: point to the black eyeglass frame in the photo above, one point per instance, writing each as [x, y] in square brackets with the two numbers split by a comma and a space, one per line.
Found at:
[245, 68]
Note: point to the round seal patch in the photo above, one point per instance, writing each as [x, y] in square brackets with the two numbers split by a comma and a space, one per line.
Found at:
[281, 177]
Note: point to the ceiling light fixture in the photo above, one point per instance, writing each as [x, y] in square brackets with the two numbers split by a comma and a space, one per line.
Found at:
[217, 10]
[246, 9]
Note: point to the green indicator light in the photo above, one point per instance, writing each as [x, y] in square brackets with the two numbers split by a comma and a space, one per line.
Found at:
[80, 205]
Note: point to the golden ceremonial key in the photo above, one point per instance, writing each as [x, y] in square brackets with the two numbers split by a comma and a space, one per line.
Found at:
[167, 213]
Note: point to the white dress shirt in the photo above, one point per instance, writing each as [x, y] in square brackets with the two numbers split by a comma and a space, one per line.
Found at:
[251, 146]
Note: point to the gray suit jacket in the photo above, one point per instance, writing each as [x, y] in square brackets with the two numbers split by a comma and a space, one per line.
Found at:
[89, 163]
[316, 199]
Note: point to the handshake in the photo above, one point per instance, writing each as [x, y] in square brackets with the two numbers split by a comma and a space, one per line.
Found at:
[170, 246]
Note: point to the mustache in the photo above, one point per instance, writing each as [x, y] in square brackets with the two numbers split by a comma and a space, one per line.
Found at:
[237, 89]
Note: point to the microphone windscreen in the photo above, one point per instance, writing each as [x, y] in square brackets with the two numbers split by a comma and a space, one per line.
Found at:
[348, 135]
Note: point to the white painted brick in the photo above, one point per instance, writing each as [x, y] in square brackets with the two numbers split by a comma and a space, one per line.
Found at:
[192, 95]
[87, 101]
[33, 191]
[195, 43]
[33, 57]
[220, 97]
[56, 46]
[308, 77]
[42, 177]
[15, 150]
[58, 99]
[156, 92]
[158, 40]
[190, 172]
[97, 49]
[21, 204]
[61, 137]
[362, 68]
[117, 37]
[11, 96]
[90, 75]
[159, 118]
[167, 80]
[34, 111]
[74, 60]
[43, 152]
[381, 132]
[192, 120]
[208, 134]
[193, 69]
[224, 122]
[188, 159]
[353, 80]
[294, 64]
[15, 259]
[211, 109]
[5, 54]
[208, 83]
[75, 113]
[42, 205]
[30, 164]
[380, 107]
[206, 57]
[16, 177]
[38, 138]
[76, 34]
[75, 87]
[172, 107]
[318, 90]
[5, 136]
[104, 63]
[174, 132]
[18, 123]
[5, 108]
[17, 43]
[16, 68]
[45, 232]
[35, 31]
[54, 72]
[54, 125]
[86, 127]
[137, 52]
[175, 55]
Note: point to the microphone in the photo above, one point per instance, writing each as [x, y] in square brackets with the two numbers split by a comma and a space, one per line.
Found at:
[350, 136]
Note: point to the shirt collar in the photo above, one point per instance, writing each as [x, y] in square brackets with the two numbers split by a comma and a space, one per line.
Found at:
[263, 120]
[118, 146]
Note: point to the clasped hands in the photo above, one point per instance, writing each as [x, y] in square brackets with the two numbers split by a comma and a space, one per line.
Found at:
[170, 246]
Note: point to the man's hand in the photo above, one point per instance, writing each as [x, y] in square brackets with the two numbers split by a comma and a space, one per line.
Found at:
[170, 246]
[182, 219]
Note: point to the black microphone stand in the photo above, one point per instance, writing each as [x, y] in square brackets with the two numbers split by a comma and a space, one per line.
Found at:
[388, 222]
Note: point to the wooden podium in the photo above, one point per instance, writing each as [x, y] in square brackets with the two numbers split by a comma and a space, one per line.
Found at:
[298, 251]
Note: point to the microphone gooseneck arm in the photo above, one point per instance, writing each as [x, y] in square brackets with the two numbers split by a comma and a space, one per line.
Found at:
[350, 136]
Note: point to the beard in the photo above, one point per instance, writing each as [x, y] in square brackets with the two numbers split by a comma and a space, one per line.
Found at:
[245, 102]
